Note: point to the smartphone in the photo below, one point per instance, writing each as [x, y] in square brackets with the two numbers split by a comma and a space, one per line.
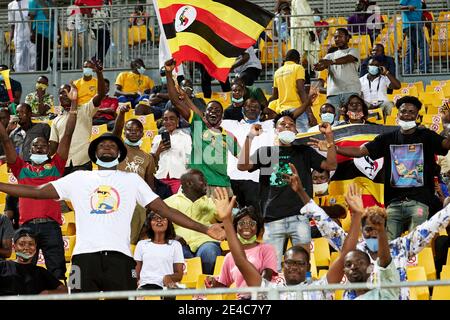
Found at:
[165, 137]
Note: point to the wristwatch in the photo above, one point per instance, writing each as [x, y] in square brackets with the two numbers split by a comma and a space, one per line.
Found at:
[329, 145]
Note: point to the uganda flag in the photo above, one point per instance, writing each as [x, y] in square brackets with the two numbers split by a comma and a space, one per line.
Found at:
[367, 173]
[5, 76]
[211, 32]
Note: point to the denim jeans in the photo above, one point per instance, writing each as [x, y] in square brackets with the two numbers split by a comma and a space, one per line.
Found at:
[416, 40]
[208, 252]
[404, 215]
[296, 228]
[49, 239]
[302, 122]
[339, 100]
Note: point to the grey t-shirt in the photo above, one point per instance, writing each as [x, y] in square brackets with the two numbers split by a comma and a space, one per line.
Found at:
[6, 230]
[343, 78]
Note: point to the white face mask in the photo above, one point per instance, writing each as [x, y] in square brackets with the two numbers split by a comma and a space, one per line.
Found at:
[327, 117]
[286, 137]
[320, 188]
[406, 125]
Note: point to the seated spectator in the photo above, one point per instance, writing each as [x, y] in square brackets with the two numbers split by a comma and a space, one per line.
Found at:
[235, 110]
[157, 100]
[40, 101]
[133, 85]
[22, 277]
[358, 266]
[327, 114]
[107, 112]
[356, 111]
[321, 25]
[6, 235]
[16, 89]
[342, 65]
[252, 92]
[248, 225]
[159, 259]
[378, 53]
[320, 179]
[86, 85]
[172, 155]
[247, 67]
[296, 259]
[194, 203]
[374, 86]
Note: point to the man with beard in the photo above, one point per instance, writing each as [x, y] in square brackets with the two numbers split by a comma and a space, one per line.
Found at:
[104, 202]
[210, 142]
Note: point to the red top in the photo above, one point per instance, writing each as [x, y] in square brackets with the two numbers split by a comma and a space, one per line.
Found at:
[107, 103]
[36, 175]
[88, 3]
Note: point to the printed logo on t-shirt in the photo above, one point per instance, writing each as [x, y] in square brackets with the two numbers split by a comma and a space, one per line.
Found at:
[134, 165]
[407, 165]
[276, 178]
[92, 88]
[104, 200]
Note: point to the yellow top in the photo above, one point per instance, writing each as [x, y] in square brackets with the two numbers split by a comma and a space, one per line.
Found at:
[86, 89]
[202, 210]
[285, 80]
[134, 83]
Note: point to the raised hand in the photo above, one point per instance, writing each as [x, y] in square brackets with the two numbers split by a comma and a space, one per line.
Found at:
[125, 107]
[319, 144]
[73, 93]
[354, 199]
[293, 179]
[170, 65]
[378, 222]
[255, 130]
[325, 128]
[223, 204]
[98, 66]
[215, 231]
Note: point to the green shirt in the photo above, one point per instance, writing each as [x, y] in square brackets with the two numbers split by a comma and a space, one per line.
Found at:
[209, 151]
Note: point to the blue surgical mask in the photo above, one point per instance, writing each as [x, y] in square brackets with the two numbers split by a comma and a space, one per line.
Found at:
[327, 117]
[141, 70]
[38, 158]
[372, 244]
[110, 164]
[316, 18]
[240, 100]
[24, 255]
[247, 120]
[374, 70]
[133, 144]
[1, 77]
[88, 72]
[163, 80]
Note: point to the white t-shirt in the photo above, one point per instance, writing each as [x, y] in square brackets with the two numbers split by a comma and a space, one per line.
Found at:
[104, 203]
[16, 16]
[253, 61]
[240, 129]
[343, 78]
[376, 90]
[157, 260]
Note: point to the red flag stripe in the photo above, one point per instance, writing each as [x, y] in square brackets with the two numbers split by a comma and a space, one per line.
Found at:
[347, 143]
[221, 28]
[187, 53]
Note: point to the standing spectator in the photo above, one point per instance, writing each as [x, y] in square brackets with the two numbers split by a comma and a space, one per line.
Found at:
[247, 67]
[6, 235]
[16, 89]
[413, 31]
[378, 53]
[375, 84]
[172, 155]
[210, 141]
[427, 16]
[303, 35]
[107, 112]
[282, 22]
[409, 171]
[243, 183]
[235, 110]
[248, 225]
[42, 32]
[25, 50]
[132, 85]
[342, 65]
[78, 158]
[289, 89]
[321, 25]
[22, 277]
[137, 161]
[356, 111]
[104, 202]
[279, 204]
[195, 204]
[43, 217]
[40, 101]
[159, 259]
[206, 83]
[86, 85]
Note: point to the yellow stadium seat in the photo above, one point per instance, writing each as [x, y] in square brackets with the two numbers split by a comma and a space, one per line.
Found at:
[68, 270]
[148, 121]
[223, 97]
[432, 121]
[218, 265]
[346, 222]
[417, 274]
[437, 88]
[97, 131]
[68, 225]
[132, 248]
[69, 244]
[425, 259]
[192, 268]
[439, 82]
[407, 91]
[146, 144]
[361, 42]
[224, 246]
[201, 286]
[269, 52]
[313, 266]
[432, 99]
[448, 258]
[321, 252]
[445, 273]
[322, 273]
[391, 120]
[442, 292]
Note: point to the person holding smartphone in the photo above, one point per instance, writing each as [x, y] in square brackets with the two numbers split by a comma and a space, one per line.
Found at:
[171, 150]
